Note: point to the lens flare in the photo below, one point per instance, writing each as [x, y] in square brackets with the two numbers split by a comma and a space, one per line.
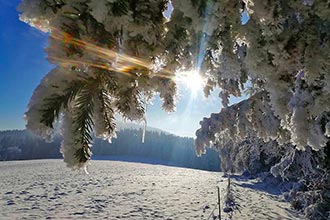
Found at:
[191, 80]
[104, 58]
[118, 62]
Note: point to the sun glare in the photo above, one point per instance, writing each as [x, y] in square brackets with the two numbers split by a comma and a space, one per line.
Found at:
[191, 80]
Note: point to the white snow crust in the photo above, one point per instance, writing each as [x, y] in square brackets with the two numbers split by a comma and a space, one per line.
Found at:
[43, 189]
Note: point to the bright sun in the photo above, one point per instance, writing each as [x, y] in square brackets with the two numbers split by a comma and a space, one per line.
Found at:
[191, 79]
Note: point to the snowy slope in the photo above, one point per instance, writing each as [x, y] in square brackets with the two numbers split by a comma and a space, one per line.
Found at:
[45, 189]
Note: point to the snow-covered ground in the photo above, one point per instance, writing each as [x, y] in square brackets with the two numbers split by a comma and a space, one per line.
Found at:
[46, 189]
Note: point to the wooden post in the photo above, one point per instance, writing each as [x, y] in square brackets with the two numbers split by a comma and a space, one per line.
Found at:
[219, 202]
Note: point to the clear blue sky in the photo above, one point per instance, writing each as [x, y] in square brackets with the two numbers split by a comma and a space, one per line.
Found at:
[23, 64]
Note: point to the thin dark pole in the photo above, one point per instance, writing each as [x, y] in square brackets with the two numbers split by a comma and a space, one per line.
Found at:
[219, 202]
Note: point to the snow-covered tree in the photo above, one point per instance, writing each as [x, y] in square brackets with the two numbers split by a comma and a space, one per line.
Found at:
[108, 61]
[283, 50]
[112, 55]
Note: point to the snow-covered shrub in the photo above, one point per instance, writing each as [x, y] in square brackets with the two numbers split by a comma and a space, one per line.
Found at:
[230, 204]
[304, 182]
[251, 156]
[311, 196]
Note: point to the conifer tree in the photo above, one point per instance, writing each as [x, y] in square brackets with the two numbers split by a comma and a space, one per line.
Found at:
[110, 56]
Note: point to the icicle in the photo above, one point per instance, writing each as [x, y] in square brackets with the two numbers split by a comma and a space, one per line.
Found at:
[120, 42]
[144, 131]
[144, 119]
[85, 169]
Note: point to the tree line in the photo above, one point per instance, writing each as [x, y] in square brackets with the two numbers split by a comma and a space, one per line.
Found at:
[158, 147]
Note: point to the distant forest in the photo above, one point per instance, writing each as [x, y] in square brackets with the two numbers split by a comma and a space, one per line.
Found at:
[159, 147]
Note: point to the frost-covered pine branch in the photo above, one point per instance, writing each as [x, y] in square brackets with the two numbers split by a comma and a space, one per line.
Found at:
[281, 54]
[104, 54]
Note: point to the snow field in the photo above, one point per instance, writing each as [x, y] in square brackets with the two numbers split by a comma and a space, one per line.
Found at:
[46, 189]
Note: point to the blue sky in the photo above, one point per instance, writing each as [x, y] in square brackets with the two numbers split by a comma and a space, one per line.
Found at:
[23, 64]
